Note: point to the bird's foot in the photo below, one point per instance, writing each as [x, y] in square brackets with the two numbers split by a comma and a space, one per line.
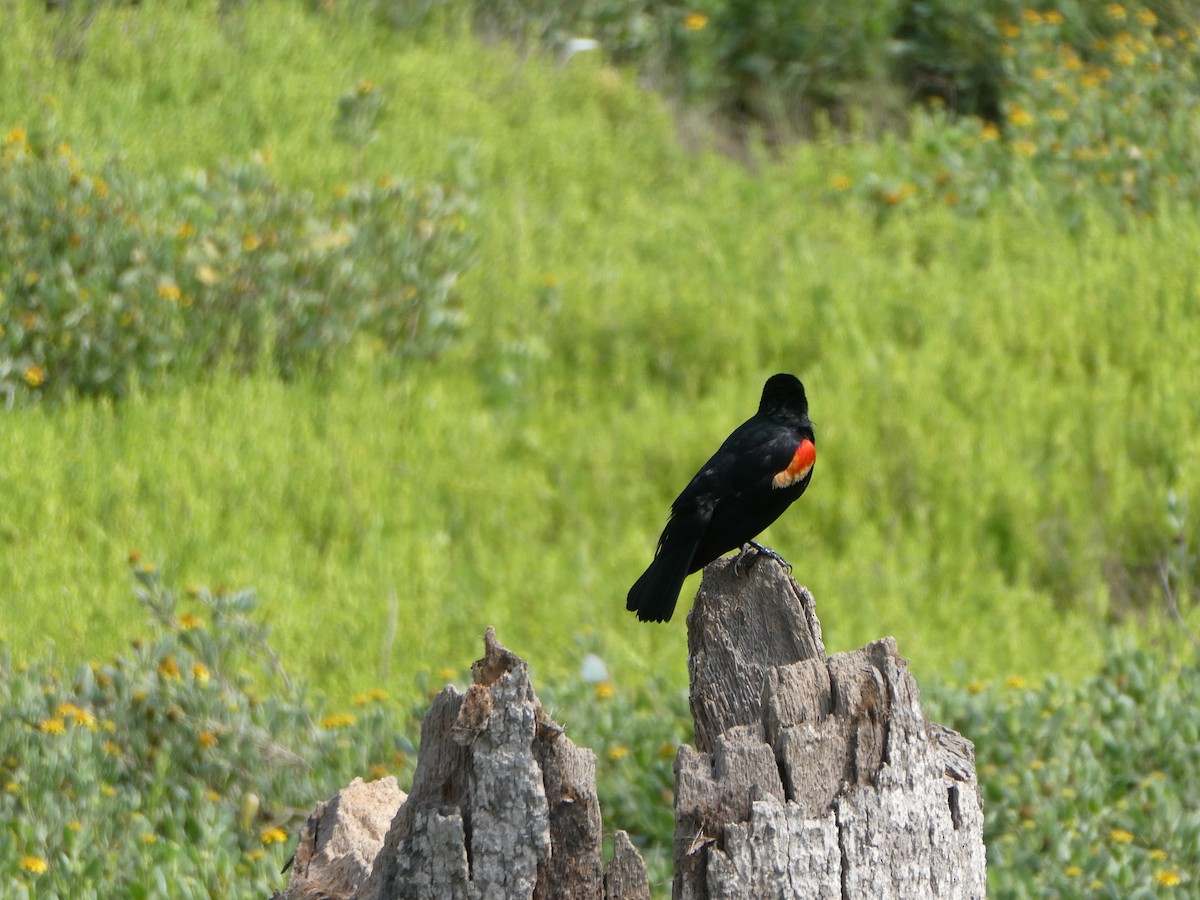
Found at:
[741, 557]
[759, 550]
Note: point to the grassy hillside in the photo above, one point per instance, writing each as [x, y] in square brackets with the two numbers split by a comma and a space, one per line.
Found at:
[1003, 406]
[999, 334]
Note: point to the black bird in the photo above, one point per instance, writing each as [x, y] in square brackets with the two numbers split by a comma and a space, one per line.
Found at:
[747, 484]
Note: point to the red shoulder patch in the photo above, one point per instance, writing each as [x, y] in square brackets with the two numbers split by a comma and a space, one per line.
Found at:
[799, 467]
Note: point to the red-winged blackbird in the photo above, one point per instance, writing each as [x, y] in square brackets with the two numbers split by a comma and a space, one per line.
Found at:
[760, 469]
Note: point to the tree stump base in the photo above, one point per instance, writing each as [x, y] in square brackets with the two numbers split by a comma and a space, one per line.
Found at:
[815, 776]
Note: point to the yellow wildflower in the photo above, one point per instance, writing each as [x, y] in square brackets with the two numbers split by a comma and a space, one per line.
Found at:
[1032, 16]
[190, 622]
[200, 672]
[695, 21]
[52, 726]
[81, 716]
[1053, 17]
[1120, 836]
[1020, 116]
[169, 290]
[168, 667]
[1168, 878]
[34, 376]
[1116, 12]
[338, 720]
[1072, 871]
[207, 740]
[605, 690]
[1158, 854]
[1015, 681]
[149, 838]
[273, 836]
[618, 752]
[842, 182]
[990, 131]
[34, 864]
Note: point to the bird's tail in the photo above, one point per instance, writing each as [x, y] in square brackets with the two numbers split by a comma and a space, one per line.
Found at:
[654, 595]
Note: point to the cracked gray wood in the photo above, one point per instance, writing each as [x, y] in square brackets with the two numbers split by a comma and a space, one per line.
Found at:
[503, 804]
[815, 776]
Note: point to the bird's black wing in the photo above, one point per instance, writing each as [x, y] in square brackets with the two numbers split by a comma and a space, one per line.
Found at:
[747, 462]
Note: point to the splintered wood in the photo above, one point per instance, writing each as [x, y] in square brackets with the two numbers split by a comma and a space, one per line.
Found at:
[814, 776]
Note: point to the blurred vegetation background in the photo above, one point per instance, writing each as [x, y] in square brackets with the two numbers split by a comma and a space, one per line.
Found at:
[414, 317]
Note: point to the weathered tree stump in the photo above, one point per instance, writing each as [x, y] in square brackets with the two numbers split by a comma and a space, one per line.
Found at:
[815, 776]
[503, 805]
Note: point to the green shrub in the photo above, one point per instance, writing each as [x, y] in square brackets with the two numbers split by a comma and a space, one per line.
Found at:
[1087, 790]
[175, 764]
[1106, 124]
[263, 268]
[1115, 118]
[779, 61]
[106, 279]
[86, 286]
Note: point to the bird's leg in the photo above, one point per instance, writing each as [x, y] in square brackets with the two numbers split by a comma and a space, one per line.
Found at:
[767, 551]
[758, 549]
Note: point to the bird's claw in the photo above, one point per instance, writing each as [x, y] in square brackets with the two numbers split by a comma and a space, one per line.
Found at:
[737, 560]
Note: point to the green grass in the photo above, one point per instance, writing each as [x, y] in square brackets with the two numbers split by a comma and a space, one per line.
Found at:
[1002, 407]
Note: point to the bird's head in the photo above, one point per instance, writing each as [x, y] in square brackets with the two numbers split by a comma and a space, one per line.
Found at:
[784, 393]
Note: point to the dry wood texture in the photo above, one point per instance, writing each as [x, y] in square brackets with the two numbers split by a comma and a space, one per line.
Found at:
[816, 776]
